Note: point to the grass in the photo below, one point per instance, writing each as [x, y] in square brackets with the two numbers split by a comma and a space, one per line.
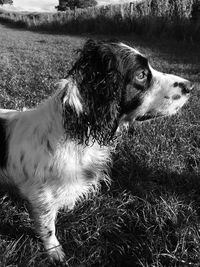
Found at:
[172, 19]
[150, 214]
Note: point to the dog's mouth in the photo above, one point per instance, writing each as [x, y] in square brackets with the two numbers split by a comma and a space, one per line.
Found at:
[149, 116]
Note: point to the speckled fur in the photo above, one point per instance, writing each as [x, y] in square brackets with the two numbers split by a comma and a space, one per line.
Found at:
[51, 171]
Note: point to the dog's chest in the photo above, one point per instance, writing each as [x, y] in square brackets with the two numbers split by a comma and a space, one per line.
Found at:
[62, 164]
[77, 171]
[83, 162]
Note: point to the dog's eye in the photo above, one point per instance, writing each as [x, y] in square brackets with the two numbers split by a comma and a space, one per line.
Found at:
[141, 76]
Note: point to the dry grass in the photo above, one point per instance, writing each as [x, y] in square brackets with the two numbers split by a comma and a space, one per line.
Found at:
[159, 18]
[150, 215]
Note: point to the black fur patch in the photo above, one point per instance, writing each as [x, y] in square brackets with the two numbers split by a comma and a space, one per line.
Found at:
[49, 147]
[50, 233]
[176, 97]
[137, 62]
[138, 86]
[175, 84]
[142, 62]
[132, 105]
[183, 87]
[3, 144]
[35, 131]
[51, 168]
[22, 157]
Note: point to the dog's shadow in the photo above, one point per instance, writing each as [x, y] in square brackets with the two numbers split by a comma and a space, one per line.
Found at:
[139, 180]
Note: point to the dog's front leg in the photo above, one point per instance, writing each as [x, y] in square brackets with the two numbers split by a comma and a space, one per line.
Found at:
[44, 216]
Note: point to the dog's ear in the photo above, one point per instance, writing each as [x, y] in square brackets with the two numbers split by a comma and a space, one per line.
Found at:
[100, 84]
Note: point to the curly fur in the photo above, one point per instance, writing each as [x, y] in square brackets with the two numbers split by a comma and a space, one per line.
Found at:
[101, 84]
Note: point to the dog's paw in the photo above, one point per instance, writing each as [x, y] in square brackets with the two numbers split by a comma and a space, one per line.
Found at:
[57, 255]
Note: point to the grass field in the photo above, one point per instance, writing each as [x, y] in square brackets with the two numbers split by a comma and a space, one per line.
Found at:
[150, 215]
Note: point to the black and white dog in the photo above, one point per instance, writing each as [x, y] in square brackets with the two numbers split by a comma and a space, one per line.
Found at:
[61, 150]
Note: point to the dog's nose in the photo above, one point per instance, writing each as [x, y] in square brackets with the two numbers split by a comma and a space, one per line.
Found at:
[186, 87]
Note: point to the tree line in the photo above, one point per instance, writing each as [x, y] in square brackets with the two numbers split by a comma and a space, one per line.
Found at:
[72, 4]
[64, 4]
[3, 2]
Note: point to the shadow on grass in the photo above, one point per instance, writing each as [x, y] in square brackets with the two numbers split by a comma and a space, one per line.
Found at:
[181, 49]
[141, 178]
[15, 219]
[131, 173]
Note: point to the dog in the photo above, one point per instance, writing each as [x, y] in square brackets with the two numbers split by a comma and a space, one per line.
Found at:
[61, 150]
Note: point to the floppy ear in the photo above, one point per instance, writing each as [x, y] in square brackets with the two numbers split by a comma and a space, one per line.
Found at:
[100, 85]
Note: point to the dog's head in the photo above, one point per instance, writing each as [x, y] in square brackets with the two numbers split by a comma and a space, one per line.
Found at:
[110, 84]
[151, 94]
